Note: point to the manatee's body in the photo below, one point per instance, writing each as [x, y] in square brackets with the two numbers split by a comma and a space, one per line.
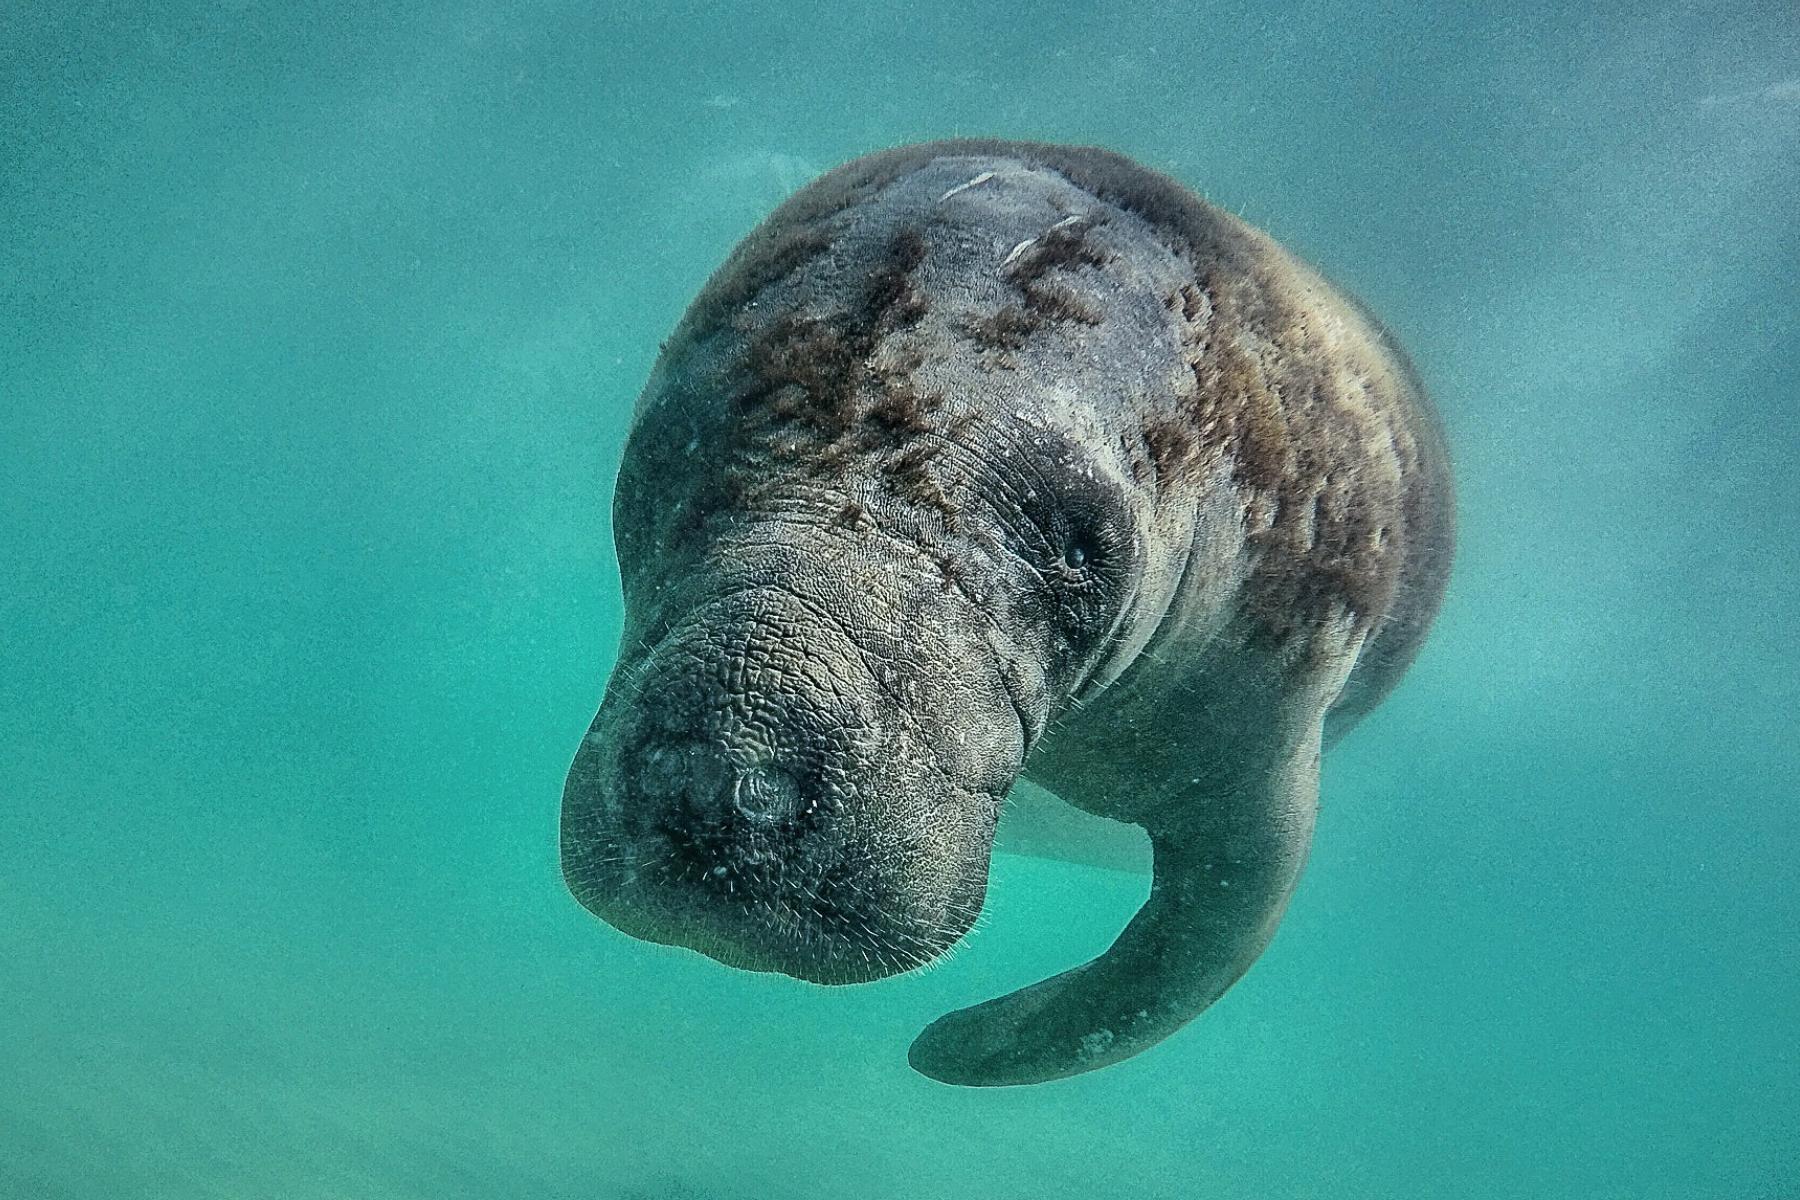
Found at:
[981, 460]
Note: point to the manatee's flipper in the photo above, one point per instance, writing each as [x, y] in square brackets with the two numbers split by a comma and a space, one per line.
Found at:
[1221, 883]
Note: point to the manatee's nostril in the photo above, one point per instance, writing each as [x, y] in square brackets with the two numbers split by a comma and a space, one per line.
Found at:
[708, 777]
[766, 794]
[662, 772]
[686, 777]
[702, 790]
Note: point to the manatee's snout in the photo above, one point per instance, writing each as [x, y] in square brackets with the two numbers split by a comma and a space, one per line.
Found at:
[700, 788]
[718, 813]
[698, 794]
[750, 790]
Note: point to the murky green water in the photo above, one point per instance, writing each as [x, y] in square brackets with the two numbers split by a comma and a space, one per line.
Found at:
[319, 330]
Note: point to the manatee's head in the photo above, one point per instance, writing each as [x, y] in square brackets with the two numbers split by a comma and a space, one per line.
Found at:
[878, 524]
[775, 778]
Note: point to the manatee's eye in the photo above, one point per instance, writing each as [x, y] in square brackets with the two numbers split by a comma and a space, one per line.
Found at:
[1083, 545]
[1081, 556]
[1072, 527]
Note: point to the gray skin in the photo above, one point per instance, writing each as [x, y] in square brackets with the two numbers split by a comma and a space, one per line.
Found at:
[985, 460]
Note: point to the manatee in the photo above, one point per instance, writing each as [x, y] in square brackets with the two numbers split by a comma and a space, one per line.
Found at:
[987, 461]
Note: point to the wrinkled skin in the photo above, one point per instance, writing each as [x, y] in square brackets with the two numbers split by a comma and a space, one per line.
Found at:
[755, 785]
[982, 460]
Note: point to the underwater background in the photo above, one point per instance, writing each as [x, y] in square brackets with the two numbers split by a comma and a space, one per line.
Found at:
[320, 325]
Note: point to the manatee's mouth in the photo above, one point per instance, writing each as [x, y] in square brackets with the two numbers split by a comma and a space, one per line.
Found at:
[768, 908]
[777, 939]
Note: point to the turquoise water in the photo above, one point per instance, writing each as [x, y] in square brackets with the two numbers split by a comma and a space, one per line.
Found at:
[319, 332]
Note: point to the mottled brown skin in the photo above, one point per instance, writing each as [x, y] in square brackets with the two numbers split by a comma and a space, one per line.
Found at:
[987, 460]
